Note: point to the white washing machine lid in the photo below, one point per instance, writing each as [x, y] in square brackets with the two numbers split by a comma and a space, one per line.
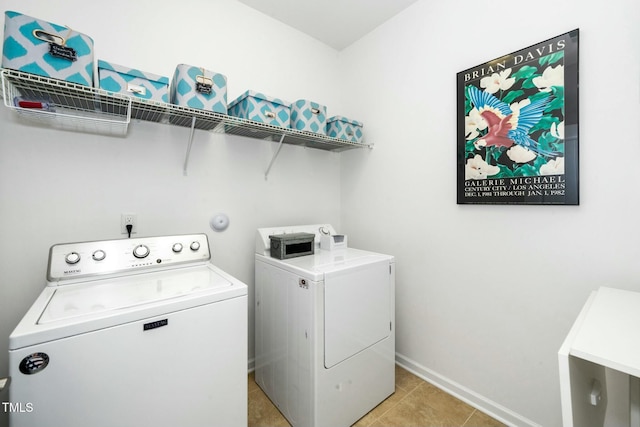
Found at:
[73, 309]
[124, 292]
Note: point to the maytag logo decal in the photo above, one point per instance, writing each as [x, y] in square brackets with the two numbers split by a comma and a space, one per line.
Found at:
[156, 324]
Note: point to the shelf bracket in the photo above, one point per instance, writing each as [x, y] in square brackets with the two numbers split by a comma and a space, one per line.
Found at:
[273, 159]
[186, 158]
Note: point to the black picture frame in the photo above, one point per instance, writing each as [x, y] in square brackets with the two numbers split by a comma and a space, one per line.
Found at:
[517, 127]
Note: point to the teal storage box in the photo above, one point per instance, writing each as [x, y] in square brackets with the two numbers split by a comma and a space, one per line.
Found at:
[261, 108]
[195, 87]
[38, 47]
[309, 116]
[343, 128]
[119, 79]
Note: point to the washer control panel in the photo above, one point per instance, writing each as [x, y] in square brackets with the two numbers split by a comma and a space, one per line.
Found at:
[70, 261]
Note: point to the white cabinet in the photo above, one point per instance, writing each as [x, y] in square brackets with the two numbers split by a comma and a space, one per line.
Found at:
[602, 346]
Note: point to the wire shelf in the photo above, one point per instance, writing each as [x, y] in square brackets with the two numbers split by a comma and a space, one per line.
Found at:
[67, 105]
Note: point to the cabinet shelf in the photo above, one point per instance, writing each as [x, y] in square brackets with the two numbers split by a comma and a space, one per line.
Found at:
[71, 106]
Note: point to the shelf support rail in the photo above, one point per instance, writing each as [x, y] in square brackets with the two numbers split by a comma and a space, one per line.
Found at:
[186, 158]
[273, 159]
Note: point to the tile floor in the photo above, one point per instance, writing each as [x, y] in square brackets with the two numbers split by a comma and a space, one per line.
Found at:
[415, 403]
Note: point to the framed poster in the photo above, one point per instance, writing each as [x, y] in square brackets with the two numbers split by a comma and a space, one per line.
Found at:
[517, 119]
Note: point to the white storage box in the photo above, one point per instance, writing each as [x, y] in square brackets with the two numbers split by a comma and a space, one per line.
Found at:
[330, 242]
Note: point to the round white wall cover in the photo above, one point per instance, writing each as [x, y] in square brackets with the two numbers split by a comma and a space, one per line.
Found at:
[219, 222]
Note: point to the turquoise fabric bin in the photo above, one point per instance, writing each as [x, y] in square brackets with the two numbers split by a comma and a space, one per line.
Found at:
[261, 108]
[131, 81]
[199, 88]
[344, 128]
[39, 47]
[309, 116]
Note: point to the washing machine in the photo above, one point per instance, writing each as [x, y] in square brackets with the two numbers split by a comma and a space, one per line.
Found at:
[324, 328]
[129, 333]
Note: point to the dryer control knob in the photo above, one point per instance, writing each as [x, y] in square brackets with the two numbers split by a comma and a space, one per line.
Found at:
[177, 247]
[140, 251]
[195, 246]
[72, 258]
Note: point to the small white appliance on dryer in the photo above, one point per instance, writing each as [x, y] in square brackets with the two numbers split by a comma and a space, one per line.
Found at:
[324, 330]
[129, 333]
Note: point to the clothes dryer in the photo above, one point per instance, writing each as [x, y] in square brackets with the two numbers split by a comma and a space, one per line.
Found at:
[324, 330]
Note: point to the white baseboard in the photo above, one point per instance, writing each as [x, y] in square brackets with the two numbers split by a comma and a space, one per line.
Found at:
[470, 397]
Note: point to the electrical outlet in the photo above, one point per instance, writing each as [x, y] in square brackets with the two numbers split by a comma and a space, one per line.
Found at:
[128, 218]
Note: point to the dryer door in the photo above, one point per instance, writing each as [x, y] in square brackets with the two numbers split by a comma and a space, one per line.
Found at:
[357, 309]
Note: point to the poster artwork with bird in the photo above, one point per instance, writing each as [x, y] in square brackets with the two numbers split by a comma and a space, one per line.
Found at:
[518, 127]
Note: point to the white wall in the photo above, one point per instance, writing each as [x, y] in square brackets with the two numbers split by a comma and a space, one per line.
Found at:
[58, 186]
[486, 294]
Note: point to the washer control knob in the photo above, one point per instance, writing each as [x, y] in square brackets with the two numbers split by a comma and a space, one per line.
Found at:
[72, 258]
[140, 251]
[177, 247]
[195, 246]
[99, 255]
